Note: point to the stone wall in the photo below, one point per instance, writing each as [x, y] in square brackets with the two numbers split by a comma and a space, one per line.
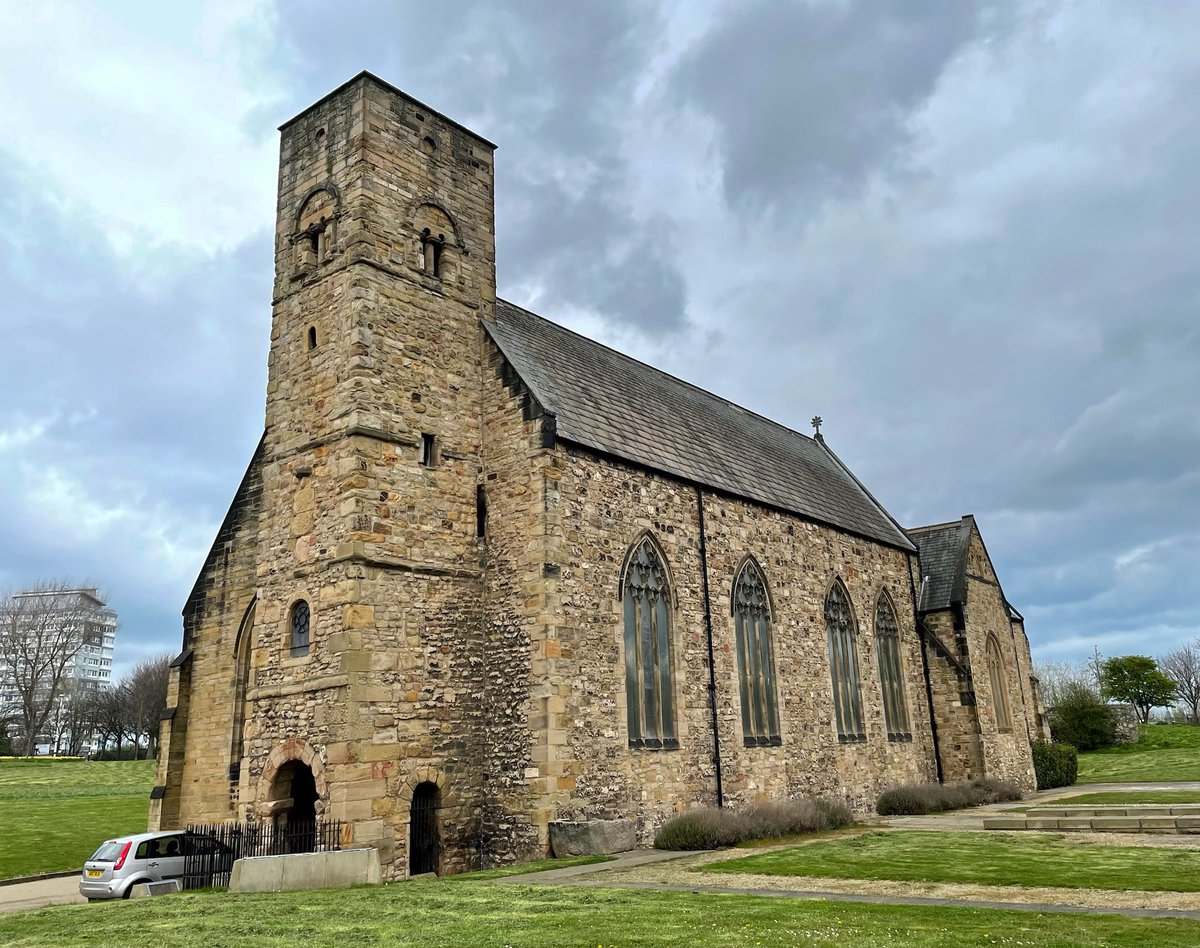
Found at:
[959, 745]
[1006, 752]
[597, 508]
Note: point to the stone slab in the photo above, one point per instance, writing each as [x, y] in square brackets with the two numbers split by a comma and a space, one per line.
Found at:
[592, 837]
[145, 890]
[300, 871]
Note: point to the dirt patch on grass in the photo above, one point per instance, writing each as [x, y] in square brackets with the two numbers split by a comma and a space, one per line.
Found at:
[678, 872]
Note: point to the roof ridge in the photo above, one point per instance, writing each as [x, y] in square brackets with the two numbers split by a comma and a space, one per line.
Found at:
[662, 372]
[934, 526]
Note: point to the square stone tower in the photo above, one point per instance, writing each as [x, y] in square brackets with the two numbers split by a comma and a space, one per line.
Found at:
[368, 625]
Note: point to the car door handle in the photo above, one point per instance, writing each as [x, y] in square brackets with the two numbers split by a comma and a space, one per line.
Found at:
[153, 865]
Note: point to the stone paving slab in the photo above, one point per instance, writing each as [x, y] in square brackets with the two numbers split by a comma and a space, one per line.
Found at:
[629, 860]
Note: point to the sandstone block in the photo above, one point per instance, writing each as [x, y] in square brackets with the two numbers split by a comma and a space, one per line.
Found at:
[591, 837]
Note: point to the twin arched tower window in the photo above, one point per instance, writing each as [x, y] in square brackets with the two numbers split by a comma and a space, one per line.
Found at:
[756, 665]
[649, 679]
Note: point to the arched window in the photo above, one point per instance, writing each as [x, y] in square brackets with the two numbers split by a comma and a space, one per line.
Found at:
[299, 637]
[649, 685]
[241, 681]
[995, 666]
[756, 666]
[891, 673]
[843, 665]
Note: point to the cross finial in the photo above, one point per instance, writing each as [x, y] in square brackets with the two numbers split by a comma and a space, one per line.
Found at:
[816, 423]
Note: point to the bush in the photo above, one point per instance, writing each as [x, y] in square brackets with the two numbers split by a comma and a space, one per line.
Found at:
[1081, 719]
[917, 799]
[713, 828]
[1056, 765]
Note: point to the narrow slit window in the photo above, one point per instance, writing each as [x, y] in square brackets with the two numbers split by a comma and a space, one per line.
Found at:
[428, 450]
[312, 338]
[480, 511]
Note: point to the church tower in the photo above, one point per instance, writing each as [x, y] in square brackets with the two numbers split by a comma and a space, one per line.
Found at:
[368, 624]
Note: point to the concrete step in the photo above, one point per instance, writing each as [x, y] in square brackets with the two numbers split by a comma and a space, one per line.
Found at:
[1143, 823]
[1138, 810]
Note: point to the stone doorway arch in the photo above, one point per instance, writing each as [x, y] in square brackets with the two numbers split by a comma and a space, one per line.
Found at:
[293, 793]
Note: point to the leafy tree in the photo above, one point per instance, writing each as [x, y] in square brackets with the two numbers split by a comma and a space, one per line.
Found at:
[1137, 679]
[1080, 718]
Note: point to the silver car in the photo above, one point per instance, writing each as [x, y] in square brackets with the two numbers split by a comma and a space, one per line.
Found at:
[120, 864]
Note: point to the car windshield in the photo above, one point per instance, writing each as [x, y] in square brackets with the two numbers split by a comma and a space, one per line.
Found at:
[107, 852]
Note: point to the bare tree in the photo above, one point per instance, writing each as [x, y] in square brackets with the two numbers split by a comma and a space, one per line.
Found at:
[146, 699]
[41, 632]
[1057, 680]
[1182, 666]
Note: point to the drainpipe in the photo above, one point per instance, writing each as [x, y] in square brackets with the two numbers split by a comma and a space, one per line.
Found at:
[712, 668]
[933, 729]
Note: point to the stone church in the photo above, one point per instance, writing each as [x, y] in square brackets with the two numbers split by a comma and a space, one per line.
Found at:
[483, 574]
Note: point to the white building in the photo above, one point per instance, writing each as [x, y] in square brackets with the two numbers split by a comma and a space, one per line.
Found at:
[84, 613]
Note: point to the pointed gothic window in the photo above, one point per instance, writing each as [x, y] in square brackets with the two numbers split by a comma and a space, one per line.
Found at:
[299, 637]
[995, 666]
[649, 684]
[843, 665]
[891, 673]
[756, 666]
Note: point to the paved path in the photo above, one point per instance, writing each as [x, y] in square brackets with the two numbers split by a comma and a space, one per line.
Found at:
[32, 895]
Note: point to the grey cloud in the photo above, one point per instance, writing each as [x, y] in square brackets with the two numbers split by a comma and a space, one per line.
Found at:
[811, 98]
[553, 84]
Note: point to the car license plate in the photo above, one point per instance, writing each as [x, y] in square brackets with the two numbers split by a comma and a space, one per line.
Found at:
[95, 873]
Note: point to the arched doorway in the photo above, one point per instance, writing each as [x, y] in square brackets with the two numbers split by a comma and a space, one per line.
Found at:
[424, 846]
[295, 792]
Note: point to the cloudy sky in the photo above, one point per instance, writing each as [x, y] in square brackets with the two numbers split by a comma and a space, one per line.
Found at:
[967, 236]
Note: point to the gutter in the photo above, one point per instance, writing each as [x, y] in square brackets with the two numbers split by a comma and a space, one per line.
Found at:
[918, 626]
[712, 670]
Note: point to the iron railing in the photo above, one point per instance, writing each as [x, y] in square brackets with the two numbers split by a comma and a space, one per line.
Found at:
[210, 849]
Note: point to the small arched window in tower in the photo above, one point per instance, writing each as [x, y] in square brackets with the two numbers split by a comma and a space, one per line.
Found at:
[756, 666]
[891, 673]
[843, 665]
[312, 338]
[649, 682]
[300, 630]
[431, 252]
[995, 665]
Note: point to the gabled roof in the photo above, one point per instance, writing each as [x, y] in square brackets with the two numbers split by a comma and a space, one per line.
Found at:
[611, 403]
[942, 550]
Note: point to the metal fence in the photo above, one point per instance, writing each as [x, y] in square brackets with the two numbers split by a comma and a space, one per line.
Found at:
[210, 849]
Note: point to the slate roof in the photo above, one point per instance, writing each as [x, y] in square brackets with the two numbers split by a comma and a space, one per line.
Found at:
[942, 550]
[606, 401]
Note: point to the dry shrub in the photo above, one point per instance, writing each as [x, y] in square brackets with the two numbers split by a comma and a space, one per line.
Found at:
[917, 799]
[711, 828]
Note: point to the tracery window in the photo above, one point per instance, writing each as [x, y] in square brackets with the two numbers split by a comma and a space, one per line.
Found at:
[649, 681]
[299, 636]
[891, 673]
[843, 665]
[995, 666]
[756, 666]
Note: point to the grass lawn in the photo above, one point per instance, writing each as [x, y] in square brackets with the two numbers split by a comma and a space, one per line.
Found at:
[1125, 798]
[435, 913]
[55, 813]
[982, 858]
[535, 865]
[1166, 752]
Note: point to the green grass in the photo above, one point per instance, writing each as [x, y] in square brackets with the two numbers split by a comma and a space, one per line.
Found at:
[56, 812]
[521, 868]
[435, 913]
[1166, 752]
[1128, 797]
[980, 859]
